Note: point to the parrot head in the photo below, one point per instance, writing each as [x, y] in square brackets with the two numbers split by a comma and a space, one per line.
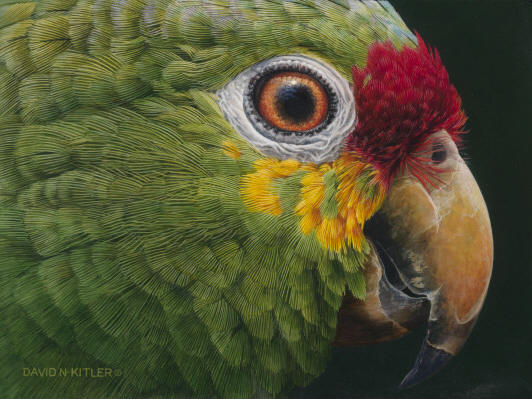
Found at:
[381, 174]
[207, 195]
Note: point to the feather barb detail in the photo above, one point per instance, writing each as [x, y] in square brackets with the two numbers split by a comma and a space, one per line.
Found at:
[337, 217]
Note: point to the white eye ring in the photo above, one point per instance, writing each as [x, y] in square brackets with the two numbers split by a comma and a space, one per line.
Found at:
[323, 146]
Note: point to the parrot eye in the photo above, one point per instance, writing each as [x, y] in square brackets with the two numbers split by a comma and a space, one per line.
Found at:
[291, 107]
[290, 101]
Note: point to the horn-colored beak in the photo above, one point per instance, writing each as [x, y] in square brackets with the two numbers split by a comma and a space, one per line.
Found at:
[447, 250]
[435, 247]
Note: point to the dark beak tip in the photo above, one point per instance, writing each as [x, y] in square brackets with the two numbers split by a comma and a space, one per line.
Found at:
[429, 361]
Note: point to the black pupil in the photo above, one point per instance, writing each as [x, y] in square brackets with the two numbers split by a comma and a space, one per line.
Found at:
[439, 154]
[295, 102]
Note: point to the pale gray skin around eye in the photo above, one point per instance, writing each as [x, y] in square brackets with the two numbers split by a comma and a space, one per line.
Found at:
[324, 146]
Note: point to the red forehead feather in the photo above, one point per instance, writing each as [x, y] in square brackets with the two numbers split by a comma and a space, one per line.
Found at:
[402, 97]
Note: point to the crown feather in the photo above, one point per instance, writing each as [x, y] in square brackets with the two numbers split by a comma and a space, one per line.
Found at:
[402, 97]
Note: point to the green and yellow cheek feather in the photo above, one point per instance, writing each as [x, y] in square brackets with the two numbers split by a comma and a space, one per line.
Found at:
[335, 198]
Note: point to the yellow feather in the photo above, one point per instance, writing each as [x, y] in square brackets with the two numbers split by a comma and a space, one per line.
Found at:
[355, 206]
[231, 150]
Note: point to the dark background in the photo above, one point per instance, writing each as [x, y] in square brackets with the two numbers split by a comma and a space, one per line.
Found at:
[487, 49]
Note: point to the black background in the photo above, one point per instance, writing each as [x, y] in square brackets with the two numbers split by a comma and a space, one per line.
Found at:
[486, 47]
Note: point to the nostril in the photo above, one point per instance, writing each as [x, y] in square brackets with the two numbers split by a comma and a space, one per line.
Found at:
[439, 153]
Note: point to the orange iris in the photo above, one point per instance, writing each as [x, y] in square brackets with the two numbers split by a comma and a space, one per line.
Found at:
[292, 101]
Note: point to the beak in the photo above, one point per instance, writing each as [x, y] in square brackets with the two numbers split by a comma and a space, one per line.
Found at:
[431, 254]
[440, 244]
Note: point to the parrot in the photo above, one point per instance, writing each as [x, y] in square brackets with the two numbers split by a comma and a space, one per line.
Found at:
[202, 198]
